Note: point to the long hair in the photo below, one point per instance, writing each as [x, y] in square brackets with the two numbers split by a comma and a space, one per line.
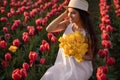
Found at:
[89, 28]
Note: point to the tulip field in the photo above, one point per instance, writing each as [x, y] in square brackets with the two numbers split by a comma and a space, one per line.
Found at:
[27, 50]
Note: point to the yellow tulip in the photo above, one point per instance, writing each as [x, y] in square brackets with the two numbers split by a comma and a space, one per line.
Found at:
[12, 48]
[74, 45]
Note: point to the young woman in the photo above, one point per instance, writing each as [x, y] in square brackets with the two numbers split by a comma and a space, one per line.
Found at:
[68, 68]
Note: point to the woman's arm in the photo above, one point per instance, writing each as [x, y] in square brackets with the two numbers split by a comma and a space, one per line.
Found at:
[58, 24]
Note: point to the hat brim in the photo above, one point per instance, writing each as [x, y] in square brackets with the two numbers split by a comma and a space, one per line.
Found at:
[66, 7]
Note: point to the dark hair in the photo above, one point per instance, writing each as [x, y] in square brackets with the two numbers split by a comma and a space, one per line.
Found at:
[89, 28]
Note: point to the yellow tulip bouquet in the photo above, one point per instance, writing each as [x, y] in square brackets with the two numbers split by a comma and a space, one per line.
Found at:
[74, 44]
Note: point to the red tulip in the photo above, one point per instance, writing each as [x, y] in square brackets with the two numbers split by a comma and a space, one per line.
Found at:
[25, 33]
[44, 42]
[16, 74]
[32, 14]
[53, 39]
[3, 19]
[25, 38]
[25, 66]
[110, 61]
[8, 57]
[49, 35]
[33, 55]
[3, 11]
[7, 36]
[4, 63]
[102, 69]
[102, 26]
[5, 29]
[102, 53]
[106, 43]
[15, 25]
[105, 36]
[9, 15]
[47, 46]
[12, 11]
[42, 48]
[3, 44]
[109, 28]
[44, 21]
[18, 22]
[16, 42]
[101, 76]
[23, 73]
[23, 8]
[5, 3]
[38, 21]
[26, 18]
[39, 28]
[31, 32]
[42, 60]
[26, 14]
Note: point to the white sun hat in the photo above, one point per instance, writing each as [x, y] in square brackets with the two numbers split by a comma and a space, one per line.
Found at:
[79, 4]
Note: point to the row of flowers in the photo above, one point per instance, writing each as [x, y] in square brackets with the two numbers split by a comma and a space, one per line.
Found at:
[117, 6]
[106, 29]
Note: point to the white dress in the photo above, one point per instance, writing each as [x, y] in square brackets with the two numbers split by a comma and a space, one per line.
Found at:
[66, 68]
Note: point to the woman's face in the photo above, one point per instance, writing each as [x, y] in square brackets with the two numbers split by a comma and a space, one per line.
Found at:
[73, 15]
